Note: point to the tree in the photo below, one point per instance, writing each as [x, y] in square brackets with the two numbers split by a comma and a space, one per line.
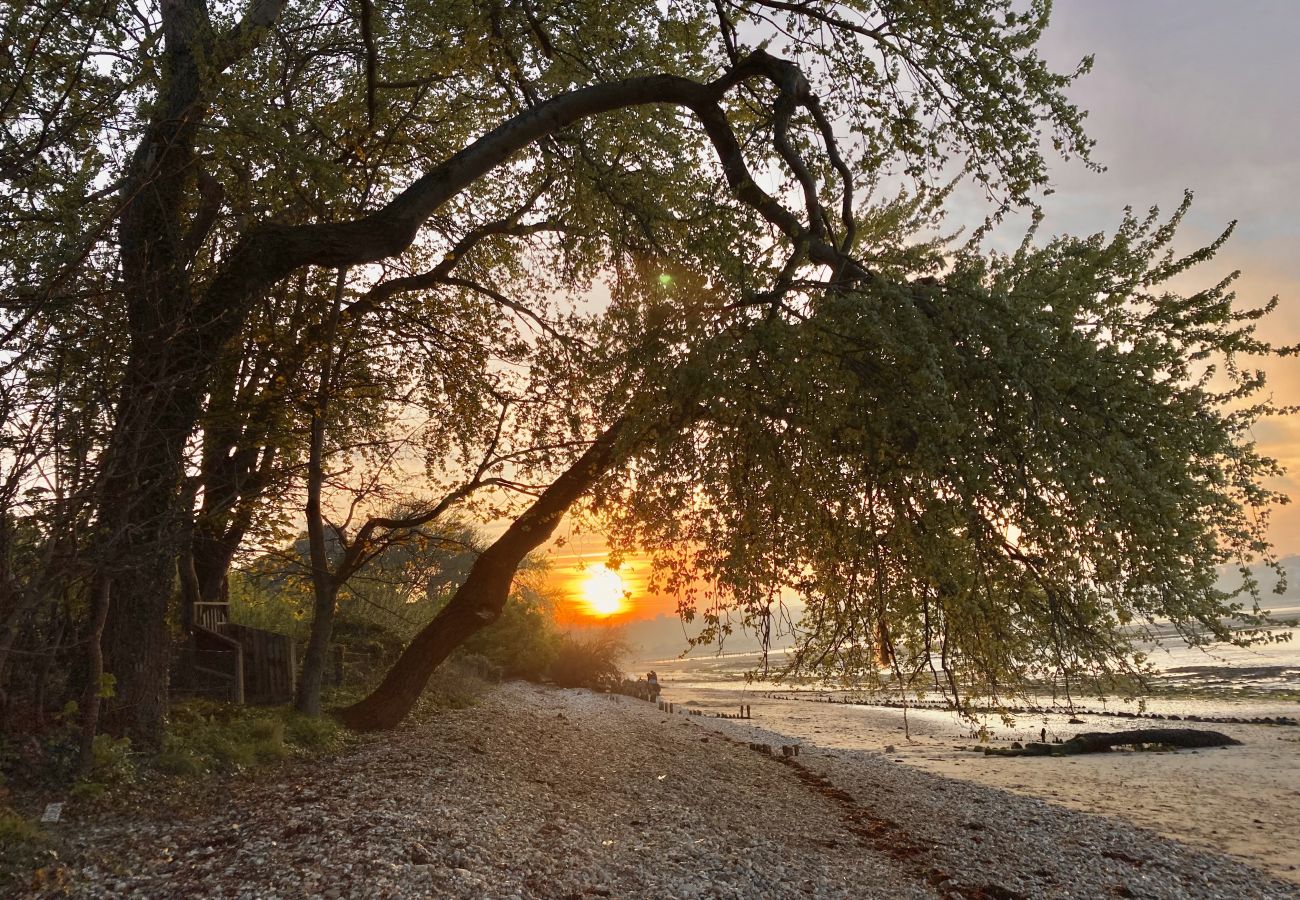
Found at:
[201, 153]
[378, 534]
[1003, 474]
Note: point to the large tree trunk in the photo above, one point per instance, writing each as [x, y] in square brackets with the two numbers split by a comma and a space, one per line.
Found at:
[481, 598]
[162, 392]
[140, 519]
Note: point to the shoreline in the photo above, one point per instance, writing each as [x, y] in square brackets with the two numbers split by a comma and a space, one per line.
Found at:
[544, 792]
[1244, 800]
[815, 696]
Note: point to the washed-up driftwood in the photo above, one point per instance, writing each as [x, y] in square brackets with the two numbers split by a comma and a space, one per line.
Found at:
[1101, 741]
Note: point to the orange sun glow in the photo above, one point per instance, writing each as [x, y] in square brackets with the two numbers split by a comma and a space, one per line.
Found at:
[603, 591]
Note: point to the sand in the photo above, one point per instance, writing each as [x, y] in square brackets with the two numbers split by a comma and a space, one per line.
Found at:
[1243, 801]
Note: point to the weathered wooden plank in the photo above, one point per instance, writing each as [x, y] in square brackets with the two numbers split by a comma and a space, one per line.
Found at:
[269, 663]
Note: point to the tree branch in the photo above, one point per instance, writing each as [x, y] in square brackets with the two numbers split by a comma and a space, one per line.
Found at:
[271, 252]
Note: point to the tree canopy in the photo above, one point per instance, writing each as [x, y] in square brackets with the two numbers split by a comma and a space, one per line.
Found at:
[674, 264]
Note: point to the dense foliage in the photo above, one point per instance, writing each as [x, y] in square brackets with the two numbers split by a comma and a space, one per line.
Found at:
[1004, 474]
[380, 262]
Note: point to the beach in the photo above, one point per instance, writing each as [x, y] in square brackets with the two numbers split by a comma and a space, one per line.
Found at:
[536, 791]
[1241, 800]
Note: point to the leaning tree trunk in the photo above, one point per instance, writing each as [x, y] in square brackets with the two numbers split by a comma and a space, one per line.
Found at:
[481, 598]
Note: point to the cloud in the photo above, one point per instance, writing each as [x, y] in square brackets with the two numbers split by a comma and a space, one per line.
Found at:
[1188, 94]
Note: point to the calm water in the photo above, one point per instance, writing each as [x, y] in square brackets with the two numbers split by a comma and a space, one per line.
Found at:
[1220, 681]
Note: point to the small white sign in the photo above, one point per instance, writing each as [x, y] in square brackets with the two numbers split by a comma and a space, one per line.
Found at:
[52, 812]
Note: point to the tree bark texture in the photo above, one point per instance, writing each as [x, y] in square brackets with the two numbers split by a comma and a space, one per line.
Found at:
[161, 394]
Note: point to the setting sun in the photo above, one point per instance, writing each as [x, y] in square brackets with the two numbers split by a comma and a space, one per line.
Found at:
[604, 591]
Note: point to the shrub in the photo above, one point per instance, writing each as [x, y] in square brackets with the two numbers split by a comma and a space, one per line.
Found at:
[311, 733]
[231, 752]
[22, 846]
[522, 643]
[179, 761]
[211, 737]
[479, 666]
[111, 760]
[45, 759]
[202, 710]
[454, 686]
[87, 791]
[590, 661]
[17, 831]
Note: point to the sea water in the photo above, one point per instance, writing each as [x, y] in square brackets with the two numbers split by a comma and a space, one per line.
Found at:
[1215, 682]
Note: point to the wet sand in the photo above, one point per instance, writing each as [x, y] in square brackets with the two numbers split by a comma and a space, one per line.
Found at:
[1243, 801]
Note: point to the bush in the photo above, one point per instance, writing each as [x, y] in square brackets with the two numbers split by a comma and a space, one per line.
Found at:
[317, 734]
[85, 791]
[479, 666]
[43, 760]
[454, 686]
[590, 661]
[219, 737]
[23, 845]
[17, 831]
[112, 764]
[112, 761]
[179, 761]
[522, 642]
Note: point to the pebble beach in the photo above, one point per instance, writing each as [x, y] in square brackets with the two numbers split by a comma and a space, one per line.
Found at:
[541, 792]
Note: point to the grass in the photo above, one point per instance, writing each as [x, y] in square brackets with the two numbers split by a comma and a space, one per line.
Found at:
[204, 737]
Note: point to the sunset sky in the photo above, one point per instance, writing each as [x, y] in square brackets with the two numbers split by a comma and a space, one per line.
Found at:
[1185, 94]
[582, 557]
[1200, 95]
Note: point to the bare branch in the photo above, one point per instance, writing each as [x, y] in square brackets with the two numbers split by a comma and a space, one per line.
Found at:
[372, 62]
[267, 254]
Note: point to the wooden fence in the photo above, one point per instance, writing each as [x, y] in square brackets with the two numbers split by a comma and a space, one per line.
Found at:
[211, 665]
[270, 663]
[236, 663]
